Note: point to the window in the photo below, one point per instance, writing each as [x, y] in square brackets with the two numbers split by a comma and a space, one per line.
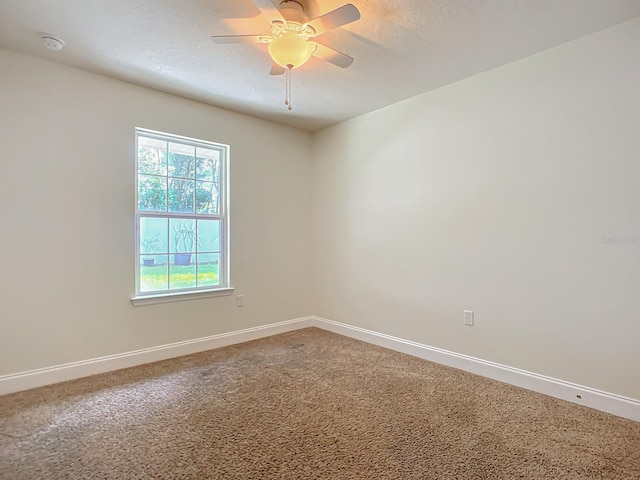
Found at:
[181, 215]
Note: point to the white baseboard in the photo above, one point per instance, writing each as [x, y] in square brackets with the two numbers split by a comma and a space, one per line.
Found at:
[599, 400]
[70, 371]
[590, 397]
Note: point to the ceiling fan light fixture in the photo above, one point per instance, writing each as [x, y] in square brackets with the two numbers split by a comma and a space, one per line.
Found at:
[290, 50]
[288, 45]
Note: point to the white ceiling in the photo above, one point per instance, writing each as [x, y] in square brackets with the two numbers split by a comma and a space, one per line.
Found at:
[401, 48]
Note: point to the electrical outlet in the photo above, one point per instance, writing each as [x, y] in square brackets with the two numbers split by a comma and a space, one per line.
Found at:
[239, 300]
[468, 318]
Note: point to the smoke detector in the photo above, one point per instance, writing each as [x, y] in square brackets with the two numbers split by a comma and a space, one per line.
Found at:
[52, 43]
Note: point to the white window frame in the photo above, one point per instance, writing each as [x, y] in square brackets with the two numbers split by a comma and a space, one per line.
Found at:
[224, 277]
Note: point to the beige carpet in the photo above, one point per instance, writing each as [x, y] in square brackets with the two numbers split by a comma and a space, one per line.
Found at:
[306, 405]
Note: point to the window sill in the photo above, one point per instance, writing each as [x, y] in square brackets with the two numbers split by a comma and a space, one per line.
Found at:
[180, 296]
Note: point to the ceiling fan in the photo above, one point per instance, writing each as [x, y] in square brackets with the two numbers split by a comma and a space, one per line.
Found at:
[292, 39]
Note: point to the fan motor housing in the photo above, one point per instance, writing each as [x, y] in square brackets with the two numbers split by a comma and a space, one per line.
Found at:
[293, 11]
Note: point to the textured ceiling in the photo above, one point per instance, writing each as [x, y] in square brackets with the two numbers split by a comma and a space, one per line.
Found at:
[401, 48]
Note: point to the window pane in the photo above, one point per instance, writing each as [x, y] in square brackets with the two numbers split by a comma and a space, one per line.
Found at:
[182, 161]
[153, 273]
[207, 197]
[207, 162]
[208, 269]
[180, 224]
[181, 195]
[153, 235]
[152, 193]
[183, 271]
[152, 156]
[209, 233]
[183, 237]
[216, 171]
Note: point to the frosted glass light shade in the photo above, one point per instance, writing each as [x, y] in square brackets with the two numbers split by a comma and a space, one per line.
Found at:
[290, 49]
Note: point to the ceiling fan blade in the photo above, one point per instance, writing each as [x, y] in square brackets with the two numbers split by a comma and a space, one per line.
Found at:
[268, 8]
[334, 19]
[332, 56]
[239, 38]
[276, 69]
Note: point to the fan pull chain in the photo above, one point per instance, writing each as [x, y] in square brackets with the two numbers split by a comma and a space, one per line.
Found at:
[287, 100]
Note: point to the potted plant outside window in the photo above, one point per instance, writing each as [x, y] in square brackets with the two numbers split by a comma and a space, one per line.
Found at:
[150, 244]
[186, 239]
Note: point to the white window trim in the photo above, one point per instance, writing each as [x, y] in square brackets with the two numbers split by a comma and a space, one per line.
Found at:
[150, 298]
[180, 296]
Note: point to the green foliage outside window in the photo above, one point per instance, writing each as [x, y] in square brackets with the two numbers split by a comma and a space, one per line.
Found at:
[189, 179]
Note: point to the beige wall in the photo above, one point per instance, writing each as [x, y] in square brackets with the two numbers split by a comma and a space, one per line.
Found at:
[67, 217]
[494, 194]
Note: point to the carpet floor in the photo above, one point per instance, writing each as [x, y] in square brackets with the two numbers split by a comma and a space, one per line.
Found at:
[307, 404]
